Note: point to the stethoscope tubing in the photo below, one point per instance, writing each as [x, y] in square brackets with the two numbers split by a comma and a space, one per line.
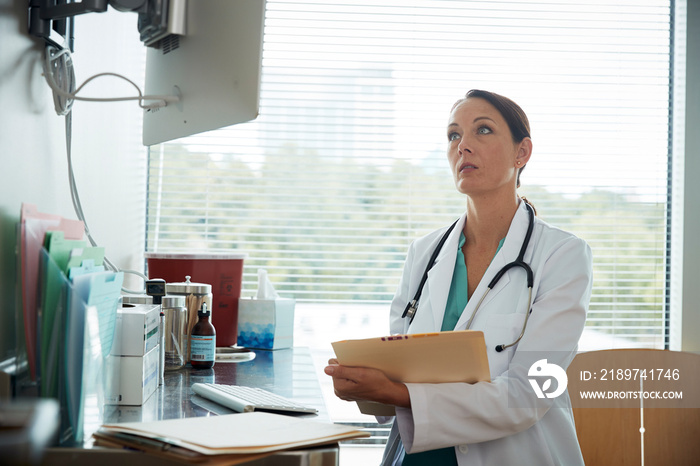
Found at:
[412, 307]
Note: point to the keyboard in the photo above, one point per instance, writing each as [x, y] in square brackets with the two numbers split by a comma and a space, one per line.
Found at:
[247, 399]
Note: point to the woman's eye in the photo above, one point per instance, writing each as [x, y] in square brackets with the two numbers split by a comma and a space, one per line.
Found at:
[484, 130]
[452, 136]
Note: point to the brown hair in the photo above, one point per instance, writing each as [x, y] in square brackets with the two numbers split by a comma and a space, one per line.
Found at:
[515, 117]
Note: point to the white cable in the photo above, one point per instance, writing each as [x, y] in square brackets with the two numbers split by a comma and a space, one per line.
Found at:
[58, 65]
[75, 197]
[53, 55]
[61, 67]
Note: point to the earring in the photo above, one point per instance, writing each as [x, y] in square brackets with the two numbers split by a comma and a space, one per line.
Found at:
[519, 162]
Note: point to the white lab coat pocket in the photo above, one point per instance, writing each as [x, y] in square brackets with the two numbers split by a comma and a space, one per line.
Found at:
[501, 329]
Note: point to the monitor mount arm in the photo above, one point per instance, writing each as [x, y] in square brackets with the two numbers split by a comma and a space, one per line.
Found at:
[46, 16]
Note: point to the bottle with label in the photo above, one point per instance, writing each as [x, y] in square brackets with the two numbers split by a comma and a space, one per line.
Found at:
[203, 341]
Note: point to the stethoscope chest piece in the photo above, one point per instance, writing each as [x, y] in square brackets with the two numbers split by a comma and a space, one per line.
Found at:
[410, 311]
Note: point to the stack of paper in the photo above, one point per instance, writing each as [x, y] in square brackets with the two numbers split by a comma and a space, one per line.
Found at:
[229, 439]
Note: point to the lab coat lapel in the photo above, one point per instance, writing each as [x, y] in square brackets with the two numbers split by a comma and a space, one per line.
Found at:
[508, 253]
[440, 276]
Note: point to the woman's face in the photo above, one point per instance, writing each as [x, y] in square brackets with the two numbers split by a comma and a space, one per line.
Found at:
[481, 152]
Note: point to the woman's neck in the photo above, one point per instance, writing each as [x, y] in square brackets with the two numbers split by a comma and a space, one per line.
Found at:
[488, 220]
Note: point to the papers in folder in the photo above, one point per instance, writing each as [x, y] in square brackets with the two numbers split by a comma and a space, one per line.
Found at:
[231, 438]
[458, 356]
[33, 227]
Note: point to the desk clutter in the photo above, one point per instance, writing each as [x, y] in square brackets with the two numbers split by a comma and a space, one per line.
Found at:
[89, 345]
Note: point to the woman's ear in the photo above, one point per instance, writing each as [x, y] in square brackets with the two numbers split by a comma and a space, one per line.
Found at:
[524, 152]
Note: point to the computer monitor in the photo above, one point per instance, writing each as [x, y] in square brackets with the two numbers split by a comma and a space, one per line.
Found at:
[214, 69]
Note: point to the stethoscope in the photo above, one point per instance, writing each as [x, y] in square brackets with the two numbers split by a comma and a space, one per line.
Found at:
[412, 307]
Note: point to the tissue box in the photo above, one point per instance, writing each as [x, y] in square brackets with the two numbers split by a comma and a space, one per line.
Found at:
[266, 323]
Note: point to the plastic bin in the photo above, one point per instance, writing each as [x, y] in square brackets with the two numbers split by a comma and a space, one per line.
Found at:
[223, 272]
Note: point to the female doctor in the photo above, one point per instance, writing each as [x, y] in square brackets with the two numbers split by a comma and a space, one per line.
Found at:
[501, 422]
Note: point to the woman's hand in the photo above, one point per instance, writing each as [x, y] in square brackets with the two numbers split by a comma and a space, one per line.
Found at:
[365, 384]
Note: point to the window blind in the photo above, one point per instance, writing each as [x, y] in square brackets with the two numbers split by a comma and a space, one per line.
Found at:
[346, 164]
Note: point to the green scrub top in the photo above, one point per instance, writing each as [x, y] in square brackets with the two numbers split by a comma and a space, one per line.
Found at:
[457, 299]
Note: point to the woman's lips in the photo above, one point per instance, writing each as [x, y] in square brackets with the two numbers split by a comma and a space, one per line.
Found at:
[467, 167]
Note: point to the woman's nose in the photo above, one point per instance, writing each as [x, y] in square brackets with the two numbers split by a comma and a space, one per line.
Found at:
[463, 146]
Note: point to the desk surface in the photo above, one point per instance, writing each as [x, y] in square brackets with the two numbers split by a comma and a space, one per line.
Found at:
[288, 372]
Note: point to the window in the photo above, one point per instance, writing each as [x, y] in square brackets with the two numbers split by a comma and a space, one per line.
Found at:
[346, 164]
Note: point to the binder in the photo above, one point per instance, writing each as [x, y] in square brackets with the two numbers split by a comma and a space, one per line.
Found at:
[440, 357]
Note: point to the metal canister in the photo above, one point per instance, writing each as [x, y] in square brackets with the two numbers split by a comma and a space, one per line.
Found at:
[195, 294]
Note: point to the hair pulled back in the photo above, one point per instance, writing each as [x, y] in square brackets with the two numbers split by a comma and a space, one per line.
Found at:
[511, 112]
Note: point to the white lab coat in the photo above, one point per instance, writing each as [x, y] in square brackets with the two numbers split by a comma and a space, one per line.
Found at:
[500, 422]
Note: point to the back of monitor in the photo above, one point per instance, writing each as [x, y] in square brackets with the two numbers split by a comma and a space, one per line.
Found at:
[214, 69]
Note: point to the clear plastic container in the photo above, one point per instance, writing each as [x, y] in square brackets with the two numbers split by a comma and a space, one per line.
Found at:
[175, 329]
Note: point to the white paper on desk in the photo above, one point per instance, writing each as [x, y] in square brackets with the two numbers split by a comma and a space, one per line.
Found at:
[242, 433]
[440, 357]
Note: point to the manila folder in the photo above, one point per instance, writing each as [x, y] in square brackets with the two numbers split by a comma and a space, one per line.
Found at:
[457, 356]
[241, 433]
